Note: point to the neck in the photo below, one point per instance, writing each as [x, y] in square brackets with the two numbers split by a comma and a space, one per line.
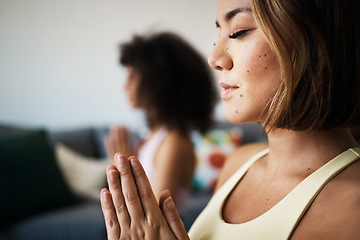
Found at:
[298, 151]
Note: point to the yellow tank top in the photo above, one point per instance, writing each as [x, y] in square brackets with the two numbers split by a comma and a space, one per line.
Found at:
[280, 221]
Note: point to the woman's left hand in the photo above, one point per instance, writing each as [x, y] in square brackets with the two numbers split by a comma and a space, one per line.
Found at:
[130, 208]
[118, 141]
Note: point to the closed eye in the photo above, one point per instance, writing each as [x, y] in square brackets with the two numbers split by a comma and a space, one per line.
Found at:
[238, 34]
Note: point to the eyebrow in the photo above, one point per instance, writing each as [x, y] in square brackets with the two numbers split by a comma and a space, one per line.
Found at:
[233, 13]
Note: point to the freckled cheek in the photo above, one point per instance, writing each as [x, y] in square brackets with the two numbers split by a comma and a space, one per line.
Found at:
[250, 61]
[254, 62]
[267, 65]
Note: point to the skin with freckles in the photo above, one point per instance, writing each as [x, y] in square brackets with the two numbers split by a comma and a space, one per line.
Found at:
[241, 62]
[250, 75]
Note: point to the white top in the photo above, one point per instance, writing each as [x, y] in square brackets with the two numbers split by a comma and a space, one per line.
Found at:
[280, 221]
[146, 156]
[148, 151]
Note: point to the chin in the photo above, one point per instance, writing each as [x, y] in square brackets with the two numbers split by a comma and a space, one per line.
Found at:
[238, 117]
[233, 117]
[134, 105]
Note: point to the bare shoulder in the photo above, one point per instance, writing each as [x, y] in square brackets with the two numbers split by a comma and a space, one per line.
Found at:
[178, 143]
[235, 160]
[174, 147]
[335, 212]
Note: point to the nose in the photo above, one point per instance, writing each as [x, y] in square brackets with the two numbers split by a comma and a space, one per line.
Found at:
[219, 57]
[126, 85]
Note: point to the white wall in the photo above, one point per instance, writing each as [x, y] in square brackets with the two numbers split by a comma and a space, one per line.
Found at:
[59, 60]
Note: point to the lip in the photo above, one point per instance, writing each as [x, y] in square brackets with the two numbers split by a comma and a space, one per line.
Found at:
[228, 90]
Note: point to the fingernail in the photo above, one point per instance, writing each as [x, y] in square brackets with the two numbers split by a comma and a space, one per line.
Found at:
[134, 163]
[106, 195]
[169, 203]
[112, 175]
[121, 160]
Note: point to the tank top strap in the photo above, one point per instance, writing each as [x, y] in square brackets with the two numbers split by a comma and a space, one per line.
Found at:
[302, 196]
[210, 217]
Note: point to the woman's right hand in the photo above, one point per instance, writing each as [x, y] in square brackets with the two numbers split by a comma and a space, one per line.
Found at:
[118, 141]
[130, 208]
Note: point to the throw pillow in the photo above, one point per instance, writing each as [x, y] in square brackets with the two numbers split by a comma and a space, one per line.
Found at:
[30, 180]
[85, 176]
[212, 149]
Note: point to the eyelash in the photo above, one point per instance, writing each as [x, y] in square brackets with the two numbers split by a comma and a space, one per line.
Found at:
[238, 34]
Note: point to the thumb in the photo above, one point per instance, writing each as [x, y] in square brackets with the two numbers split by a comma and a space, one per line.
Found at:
[172, 217]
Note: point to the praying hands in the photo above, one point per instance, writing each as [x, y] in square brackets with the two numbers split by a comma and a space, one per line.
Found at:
[130, 208]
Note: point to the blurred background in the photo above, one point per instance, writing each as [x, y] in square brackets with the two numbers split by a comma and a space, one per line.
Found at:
[59, 59]
[62, 87]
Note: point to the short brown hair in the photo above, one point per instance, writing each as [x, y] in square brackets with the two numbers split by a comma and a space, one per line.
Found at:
[317, 44]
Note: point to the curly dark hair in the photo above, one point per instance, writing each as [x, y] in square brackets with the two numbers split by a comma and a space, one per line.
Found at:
[176, 86]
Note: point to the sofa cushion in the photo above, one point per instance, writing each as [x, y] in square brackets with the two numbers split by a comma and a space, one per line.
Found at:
[84, 175]
[30, 180]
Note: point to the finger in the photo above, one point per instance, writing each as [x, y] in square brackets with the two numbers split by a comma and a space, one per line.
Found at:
[118, 139]
[114, 137]
[146, 194]
[109, 148]
[122, 213]
[173, 219]
[112, 133]
[128, 142]
[163, 196]
[125, 135]
[111, 221]
[124, 140]
[113, 142]
[129, 189]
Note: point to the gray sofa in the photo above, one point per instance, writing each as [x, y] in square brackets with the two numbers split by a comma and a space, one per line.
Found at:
[74, 217]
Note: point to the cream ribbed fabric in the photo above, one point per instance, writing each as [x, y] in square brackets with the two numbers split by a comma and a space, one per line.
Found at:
[280, 221]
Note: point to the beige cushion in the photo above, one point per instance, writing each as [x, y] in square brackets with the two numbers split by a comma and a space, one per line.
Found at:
[84, 175]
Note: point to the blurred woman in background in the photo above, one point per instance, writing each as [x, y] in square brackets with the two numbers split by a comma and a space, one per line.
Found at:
[172, 83]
